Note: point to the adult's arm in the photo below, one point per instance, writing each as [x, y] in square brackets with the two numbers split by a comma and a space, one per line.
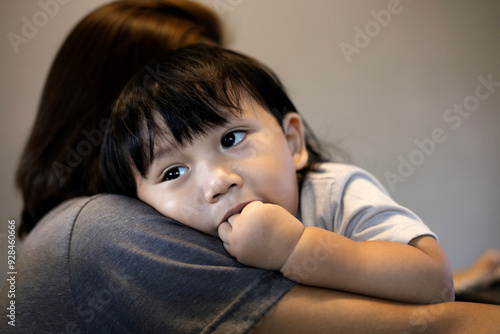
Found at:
[314, 310]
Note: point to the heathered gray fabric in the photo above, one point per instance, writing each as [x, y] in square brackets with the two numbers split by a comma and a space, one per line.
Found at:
[111, 264]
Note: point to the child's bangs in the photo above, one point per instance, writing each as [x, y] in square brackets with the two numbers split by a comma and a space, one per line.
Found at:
[188, 117]
[179, 119]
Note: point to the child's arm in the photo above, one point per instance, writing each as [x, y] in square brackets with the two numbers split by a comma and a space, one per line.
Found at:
[268, 236]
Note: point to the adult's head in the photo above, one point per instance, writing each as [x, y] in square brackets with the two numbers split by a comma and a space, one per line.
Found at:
[104, 50]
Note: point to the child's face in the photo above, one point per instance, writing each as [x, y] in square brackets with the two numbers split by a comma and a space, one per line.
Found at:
[250, 158]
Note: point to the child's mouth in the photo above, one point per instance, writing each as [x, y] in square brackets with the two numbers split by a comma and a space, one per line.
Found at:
[236, 210]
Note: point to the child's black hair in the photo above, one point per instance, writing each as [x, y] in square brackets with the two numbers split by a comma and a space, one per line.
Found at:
[189, 90]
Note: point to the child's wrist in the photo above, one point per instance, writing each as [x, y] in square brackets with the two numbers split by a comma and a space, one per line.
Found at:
[287, 267]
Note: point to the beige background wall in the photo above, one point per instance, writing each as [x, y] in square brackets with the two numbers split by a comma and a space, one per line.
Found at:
[384, 80]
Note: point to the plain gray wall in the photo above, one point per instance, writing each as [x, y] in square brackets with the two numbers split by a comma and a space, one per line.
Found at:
[379, 79]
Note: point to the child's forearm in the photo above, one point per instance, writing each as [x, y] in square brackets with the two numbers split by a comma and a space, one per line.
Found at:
[418, 273]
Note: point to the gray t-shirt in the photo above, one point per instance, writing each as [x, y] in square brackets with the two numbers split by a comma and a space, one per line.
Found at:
[349, 201]
[112, 264]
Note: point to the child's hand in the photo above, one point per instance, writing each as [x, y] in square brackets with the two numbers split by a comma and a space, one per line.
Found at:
[483, 272]
[262, 235]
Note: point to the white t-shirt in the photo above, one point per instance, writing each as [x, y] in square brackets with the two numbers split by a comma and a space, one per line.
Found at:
[349, 201]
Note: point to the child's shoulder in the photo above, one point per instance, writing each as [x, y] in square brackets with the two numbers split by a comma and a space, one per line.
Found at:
[337, 176]
[327, 170]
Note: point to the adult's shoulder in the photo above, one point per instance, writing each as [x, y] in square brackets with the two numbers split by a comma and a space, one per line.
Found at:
[109, 206]
[110, 263]
[105, 213]
[116, 223]
[149, 273]
[101, 201]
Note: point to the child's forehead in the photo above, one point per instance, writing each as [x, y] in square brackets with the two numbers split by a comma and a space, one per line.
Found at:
[164, 141]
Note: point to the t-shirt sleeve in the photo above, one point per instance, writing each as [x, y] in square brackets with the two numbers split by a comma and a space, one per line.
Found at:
[134, 271]
[350, 201]
[367, 212]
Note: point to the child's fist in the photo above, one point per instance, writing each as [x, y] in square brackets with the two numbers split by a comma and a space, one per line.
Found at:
[263, 235]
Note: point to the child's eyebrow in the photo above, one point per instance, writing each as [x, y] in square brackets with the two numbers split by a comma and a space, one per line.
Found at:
[164, 145]
[161, 150]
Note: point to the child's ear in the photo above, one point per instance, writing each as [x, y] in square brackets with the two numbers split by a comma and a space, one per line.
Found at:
[294, 130]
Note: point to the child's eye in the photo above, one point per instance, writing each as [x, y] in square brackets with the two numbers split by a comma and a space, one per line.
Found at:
[174, 172]
[232, 138]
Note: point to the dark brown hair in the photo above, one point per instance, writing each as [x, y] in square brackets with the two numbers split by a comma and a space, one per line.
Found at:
[186, 93]
[100, 55]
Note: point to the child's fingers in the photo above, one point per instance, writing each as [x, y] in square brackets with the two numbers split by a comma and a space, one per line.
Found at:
[495, 257]
[224, 232]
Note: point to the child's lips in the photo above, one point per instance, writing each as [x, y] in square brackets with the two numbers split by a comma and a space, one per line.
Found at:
[237, 209]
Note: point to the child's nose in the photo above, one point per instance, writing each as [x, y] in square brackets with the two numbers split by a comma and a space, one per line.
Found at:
[219, 180]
